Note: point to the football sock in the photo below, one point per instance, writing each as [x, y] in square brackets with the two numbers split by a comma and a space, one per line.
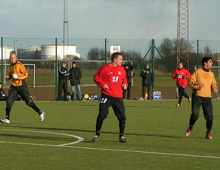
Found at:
[36, 109]
[180, 100]
[121, 127]
[209, 124]
[8, 111]
[192, 121]
[98, 126]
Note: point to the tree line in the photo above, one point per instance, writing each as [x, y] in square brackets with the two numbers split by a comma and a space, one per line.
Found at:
[168, 50]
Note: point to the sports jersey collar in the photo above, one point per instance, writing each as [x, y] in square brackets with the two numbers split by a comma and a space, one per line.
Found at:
[13, 64]
[206, 70]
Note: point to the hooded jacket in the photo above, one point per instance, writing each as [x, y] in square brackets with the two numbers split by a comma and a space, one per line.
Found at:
[75, 75]
[147, 77]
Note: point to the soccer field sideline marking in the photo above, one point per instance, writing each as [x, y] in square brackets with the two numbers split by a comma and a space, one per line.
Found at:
[114, 150]
[79, 139]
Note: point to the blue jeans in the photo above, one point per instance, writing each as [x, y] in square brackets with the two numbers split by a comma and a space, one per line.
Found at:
[74, 92]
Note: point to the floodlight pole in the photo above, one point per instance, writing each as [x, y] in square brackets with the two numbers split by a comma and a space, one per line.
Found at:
[14, 46]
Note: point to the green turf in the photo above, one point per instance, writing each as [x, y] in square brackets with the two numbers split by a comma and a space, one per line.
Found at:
[152, 126]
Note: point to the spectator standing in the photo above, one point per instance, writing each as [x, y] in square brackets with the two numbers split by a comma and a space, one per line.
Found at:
[129, 73]
[63, 84]
[75, 76]
[147, 81]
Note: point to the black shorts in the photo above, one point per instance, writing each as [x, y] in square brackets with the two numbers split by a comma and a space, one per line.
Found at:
[117, 105]
[19, 90]
[206, 103]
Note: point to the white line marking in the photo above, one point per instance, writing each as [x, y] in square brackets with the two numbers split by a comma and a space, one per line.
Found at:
[79, 139]
[115, 150]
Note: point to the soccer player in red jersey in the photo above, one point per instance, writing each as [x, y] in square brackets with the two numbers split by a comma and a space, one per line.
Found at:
[181, 76]
[111, 78]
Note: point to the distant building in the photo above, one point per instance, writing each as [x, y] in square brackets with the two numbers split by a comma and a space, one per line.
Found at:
[7, 51]
[31, 52]
[48, 52]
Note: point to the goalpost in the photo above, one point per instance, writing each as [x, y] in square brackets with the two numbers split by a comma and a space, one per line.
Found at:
[27, 68]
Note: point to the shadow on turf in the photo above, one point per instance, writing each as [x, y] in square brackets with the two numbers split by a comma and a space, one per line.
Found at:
[35, 137]
[104, 132]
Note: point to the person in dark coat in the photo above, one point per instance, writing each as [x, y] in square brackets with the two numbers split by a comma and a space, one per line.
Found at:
[147, 81]
[3, 95]
[63, 84]
[75, 77]
[129, 72]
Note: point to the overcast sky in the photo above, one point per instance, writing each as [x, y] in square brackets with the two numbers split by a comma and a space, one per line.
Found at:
[119, 19]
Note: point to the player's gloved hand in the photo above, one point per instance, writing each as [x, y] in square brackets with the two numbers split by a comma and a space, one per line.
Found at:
[184, 77]
[15, 76]
[177, 76]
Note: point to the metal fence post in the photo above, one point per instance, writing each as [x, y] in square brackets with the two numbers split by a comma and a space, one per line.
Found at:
[56, 70]
[198, 65]
[153, 62]
[105, 51]
[2, 65]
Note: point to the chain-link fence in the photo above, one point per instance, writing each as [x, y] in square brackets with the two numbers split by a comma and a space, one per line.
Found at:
[42, 56]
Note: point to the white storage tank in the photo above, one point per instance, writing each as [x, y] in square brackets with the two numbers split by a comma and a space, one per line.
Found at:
[32, 52]
[7, 51]
[48, 52]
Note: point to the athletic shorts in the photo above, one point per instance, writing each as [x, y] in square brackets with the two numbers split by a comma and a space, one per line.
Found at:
[116, 103]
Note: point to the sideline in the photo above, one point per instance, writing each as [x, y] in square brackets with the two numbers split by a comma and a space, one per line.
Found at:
[80, 139]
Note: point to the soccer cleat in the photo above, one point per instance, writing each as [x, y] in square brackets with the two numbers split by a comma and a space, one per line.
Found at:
[188, 131]
[208, 136]
[95, 138]
[6, 121]
[42, 116]
[178, 105]
[122, 139]
[189, 99]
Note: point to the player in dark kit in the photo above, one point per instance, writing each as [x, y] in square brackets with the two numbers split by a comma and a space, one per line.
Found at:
[112, 79]
[19, 75]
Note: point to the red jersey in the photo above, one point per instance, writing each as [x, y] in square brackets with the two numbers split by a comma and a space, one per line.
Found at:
[181, 76]
[114, 77]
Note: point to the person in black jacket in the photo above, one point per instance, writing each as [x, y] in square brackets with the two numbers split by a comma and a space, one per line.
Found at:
[130, 75]
[3, 95]
[147, 81]
[74, 77]
[63, 84]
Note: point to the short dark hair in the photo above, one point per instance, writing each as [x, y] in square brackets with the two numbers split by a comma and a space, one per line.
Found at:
[205, 60]
[62, 63]
[73, 62]
[115, 55]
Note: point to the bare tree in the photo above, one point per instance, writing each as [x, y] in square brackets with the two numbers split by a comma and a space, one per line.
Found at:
[168, 49]
[96, 54]
[132, 56]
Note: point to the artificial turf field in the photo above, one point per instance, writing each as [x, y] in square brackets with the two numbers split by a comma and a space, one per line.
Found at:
[154, 132]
